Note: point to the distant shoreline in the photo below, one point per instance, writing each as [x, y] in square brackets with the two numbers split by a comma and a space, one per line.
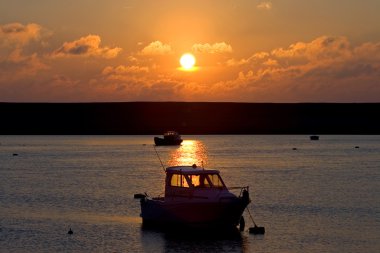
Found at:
[142, 118]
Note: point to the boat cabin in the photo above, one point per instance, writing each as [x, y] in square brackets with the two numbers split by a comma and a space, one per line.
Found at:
[191, 181]
[168, 133]
[171, 135]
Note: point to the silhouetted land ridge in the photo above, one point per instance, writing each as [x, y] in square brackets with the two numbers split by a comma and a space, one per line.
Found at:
[189, 118]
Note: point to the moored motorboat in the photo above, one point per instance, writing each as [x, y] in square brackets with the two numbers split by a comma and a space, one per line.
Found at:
[194, 197]
[170, 138]
[314, 137]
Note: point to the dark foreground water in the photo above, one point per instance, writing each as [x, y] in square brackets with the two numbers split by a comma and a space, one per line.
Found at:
[311, 196]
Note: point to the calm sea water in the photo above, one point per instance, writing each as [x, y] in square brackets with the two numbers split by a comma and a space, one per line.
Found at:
[311, 196]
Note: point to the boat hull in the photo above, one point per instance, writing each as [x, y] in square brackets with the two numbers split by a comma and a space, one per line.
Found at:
[163, 142]
[213, 215]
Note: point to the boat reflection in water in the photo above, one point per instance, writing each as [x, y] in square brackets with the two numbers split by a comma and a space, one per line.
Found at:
[195, 197]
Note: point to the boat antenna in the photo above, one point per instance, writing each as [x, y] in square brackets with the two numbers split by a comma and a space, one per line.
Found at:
[163, 167]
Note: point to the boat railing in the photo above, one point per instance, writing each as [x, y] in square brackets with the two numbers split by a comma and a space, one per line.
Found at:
[241, 188]
[244, 193]
[159, 198]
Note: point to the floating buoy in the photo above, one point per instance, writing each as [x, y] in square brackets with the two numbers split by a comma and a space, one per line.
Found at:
[256, 230]
[70, 232]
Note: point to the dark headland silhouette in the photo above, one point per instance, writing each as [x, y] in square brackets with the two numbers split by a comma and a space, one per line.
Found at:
[189, 118]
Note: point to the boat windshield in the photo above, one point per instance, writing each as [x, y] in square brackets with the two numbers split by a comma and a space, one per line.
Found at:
[199, 180]
[178, 180]
[216, 181]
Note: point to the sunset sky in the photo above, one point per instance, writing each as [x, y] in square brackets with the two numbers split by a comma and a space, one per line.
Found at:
[245, 50]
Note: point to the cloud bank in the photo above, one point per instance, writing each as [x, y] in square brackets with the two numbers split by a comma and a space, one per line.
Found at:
[325, 69]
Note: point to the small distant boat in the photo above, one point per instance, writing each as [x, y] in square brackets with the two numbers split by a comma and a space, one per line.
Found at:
[314, 137]
[194, 198]
[170, 138]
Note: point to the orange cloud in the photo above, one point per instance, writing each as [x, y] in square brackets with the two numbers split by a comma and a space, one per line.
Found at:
[264, 6]
[20, 67]
[121, 69]
[86, 46]
[15, 40]
[322, 48]
[325, 69]
[124, 73]
[369, 52]
[257, 57]
[219, 47]
[156, 48]
[16, 34]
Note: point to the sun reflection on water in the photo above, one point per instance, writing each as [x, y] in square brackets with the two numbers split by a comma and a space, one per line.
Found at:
[191, 152]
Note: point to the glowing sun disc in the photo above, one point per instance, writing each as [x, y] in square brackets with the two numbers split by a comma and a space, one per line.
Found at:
[187, 61]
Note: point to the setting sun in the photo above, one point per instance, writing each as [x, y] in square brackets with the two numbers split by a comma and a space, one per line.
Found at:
[187, 61]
